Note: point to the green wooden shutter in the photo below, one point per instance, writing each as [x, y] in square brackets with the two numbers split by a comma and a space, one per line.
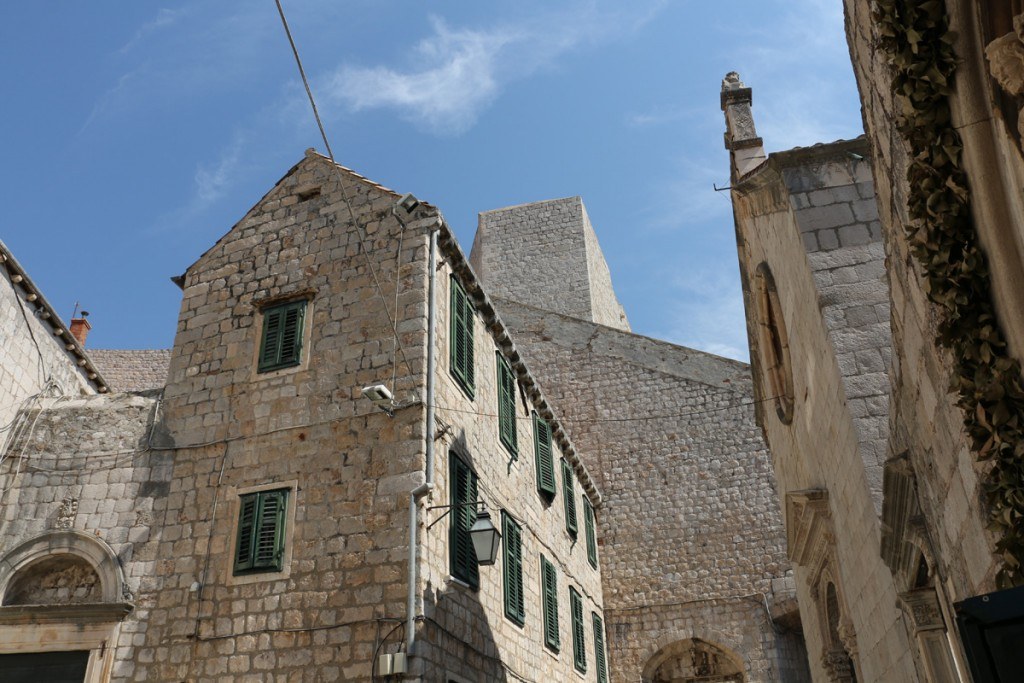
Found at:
[507, 406]
[602, 664]
[549, 579]
[271, 339]
[261, 532]
[291, 334]
[461, 342]
[545, 460]
[463, 490]
[515, 608]
[268, 547]
[588, 519]
[579, 646]
[246, 529]
[281, 345]
[569, 496]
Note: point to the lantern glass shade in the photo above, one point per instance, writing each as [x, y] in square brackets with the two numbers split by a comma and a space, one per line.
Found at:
[486, 539]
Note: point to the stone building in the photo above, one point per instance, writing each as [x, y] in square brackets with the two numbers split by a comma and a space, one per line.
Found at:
[246, 514]
[259, 518]
[696, 582]
[881, 281]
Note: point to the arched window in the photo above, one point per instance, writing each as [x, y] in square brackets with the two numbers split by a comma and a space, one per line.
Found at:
[773, 343]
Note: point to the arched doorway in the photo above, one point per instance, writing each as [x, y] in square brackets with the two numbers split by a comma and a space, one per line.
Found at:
[694, 660]
[62, 600]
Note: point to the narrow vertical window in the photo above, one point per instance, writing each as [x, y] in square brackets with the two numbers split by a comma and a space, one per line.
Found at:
[549, 594]
[590, 522]
[281, 344]
[462, 482]
[579, 646]
[507, 406]
[259, 546]
[542, 448]
[512, 559]
[569, 497]
[602, 663]
[461, 341]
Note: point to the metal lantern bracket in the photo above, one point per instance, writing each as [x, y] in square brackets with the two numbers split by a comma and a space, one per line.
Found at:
[448, 508]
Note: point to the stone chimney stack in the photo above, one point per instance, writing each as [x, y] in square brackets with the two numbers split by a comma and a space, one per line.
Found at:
[745, 148]
[80, 328]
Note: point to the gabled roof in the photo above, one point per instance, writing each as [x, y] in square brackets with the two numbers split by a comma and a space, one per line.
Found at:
[311, 156]
[44, 311]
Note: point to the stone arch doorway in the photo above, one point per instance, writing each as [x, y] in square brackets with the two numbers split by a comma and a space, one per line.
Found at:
[693, 660]
[62, 600]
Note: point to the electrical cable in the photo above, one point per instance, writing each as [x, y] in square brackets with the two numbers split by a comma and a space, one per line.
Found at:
[149, 447]
[341, 184]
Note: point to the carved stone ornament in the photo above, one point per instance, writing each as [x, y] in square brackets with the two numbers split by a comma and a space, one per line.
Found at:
[808, 526]
[1006, 63]
[67, 513]
[837, 665]
[923, 608]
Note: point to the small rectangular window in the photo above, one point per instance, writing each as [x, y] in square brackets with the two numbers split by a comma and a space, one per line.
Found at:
[259, 546]
[281, 344]
[602, 663]
[507, 406]
[549, 586]
[569, 496]
[579, 646]
[461, 341]
[463, 484]
[590, 522]
[512, 559]
[542, 448]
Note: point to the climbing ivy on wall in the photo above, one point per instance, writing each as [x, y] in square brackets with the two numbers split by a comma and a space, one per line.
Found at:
[916, 39]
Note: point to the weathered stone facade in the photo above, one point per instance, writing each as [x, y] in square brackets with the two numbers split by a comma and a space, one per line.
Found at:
[146, 488]
[693, 551]
[884, 500]
[38, 355]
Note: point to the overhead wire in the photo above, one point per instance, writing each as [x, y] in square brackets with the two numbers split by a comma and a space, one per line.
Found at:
[344, 190]
[214, 442]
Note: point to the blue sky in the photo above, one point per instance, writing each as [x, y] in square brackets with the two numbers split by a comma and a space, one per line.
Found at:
[135, 133]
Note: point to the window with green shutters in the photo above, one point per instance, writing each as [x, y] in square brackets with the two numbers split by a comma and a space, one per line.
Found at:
[579, 646]
[542, 449]
[602, 663]
[259, 546]
[569, 497]
[281, 345]
[549, 595]
[512, 560]
[462, 481]
[507, 406]
[461, 341]
[589, 521]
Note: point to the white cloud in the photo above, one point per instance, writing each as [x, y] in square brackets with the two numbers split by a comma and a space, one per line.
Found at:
[165, 17]
[457, 81]
[213, 179]
[458, 72]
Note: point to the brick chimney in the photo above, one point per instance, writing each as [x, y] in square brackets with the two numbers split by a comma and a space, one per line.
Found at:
[80, 328]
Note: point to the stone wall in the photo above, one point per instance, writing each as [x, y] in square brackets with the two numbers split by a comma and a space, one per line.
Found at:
[692, 539]
[924, 419]
[86, 466]
[468, 632]
[833, 203]
[347, 465]
[821, 449]
[31, 356]
[546, 254]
